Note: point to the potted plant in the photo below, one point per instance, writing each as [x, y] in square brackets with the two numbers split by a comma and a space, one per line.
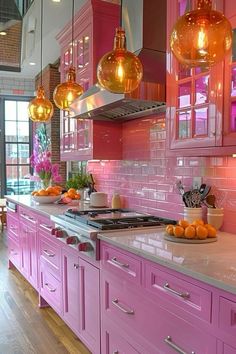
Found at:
[80, 181]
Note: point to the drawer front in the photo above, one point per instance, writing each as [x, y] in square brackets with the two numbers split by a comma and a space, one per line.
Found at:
[45, 224]
[120, 264]
[179, 292]
[227, 317]
[28, 216]
[51, 253]
[50, 288]
[229, 350]
[13, 226]
[113, 343]
[14, 252]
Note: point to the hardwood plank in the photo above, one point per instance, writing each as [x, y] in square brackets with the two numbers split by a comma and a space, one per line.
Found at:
[24, 328]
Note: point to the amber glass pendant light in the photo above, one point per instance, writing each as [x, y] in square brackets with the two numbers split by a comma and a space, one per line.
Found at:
[119, 71]
[66, 92]
[40, 109]
[201, 37]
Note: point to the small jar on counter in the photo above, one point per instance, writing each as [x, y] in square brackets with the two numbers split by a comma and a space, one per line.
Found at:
[116, 201]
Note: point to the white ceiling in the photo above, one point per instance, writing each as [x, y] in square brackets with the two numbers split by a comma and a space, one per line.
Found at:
[55, 16]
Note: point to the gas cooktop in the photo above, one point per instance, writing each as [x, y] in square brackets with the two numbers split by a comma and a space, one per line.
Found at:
[111, 219]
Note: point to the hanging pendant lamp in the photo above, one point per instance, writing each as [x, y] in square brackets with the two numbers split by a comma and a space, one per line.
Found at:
[119, 71]
[40, 109]
[66, 92]
[201, 37]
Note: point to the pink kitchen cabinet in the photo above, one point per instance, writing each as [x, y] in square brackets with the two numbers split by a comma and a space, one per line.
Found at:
[200, 102]
[28, 245]
[14, 252]
[229, 350]
[81, 300]
[85, 139]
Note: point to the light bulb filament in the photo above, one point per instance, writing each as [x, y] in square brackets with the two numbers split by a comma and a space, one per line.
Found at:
[120, 72]
[40, 111]
[202, 40]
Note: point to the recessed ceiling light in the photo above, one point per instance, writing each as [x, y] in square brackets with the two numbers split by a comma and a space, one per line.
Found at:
[3, 33]
[56, 0]
[32, 63]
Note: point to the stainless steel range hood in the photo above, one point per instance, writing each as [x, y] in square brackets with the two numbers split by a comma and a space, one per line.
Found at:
[145, 25]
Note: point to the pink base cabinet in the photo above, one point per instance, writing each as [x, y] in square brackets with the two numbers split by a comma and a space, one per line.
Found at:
[147, 308]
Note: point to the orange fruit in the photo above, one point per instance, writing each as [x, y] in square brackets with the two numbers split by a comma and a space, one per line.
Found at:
[33, 193]
[183, 223]
[77, 196]
[198, 222]
[211, 231]
[65, 195]
[71, 195]
[72, 191]
[178, 231]
[170, 229]
[43, 192]
[189, 232]
[201, 232]
[50, 189]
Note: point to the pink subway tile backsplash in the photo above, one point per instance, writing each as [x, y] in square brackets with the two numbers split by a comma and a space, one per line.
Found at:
[146, 178]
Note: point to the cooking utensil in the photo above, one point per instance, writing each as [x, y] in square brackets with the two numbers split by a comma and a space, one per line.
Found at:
[187, 199]
[180, 187]
[205, 192]
[202, 188]
[196, 198]
[210, 201]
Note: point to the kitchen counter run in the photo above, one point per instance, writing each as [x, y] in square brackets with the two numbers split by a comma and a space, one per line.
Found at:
[46, 209]
[213, 263]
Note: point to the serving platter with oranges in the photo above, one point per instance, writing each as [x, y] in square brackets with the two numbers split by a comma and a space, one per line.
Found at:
[195, 232]
[46, 196]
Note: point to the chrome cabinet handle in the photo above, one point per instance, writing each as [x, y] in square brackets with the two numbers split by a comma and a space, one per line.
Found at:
[47, 227]
[76, 266]
[13, 227]
[183, 295]
[168, 341]
[49, 254]
[52, 290]
[124, 265]
[116, 303]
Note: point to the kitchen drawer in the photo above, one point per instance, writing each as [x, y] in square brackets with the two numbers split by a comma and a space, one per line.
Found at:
[14, 252]
[45, 224]
[28, 216]
[227, 317]
[50, 287]
[229, 350]
[178, 292]
[50, 252]
[121, 264]
[113, 343]
[13, 226]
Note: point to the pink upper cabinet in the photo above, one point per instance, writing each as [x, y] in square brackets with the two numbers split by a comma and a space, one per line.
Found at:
[195, 100]
[94, 29]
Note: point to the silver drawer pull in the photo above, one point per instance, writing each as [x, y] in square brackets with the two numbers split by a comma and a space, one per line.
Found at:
[76, 266]
[115, 352]
[168, 341]
[124, 265]
[116, 303]
[49, 254]
[52, 290]
[47, 227]
[13, 227]
[183, 295]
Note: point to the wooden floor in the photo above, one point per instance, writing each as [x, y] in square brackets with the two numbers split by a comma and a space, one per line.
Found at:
[24, 328]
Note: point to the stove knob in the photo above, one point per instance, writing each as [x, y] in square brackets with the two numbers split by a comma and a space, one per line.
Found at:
[85, 247]
[72, 240]
[60, 233]
[54, 230]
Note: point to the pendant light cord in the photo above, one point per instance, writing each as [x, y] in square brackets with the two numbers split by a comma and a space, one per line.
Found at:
[121, 4]
[72, 30]
[41, 44]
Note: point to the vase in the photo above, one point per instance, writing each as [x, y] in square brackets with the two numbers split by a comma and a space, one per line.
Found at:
[83, 194]
[45, 183]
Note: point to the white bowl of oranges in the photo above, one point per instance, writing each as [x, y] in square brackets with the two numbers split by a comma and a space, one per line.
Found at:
[197, 230]
[48, 195]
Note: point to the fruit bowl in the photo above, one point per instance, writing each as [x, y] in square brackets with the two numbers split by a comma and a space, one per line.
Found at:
[47, 199]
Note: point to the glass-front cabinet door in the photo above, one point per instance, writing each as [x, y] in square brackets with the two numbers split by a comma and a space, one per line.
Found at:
[229, 137]
[194, 96]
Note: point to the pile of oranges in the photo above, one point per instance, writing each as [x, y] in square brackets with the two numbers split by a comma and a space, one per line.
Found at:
[72, 194]
[196, 230]
[50, 191]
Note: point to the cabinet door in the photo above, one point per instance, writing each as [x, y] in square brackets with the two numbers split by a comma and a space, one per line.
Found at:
[89, 305]
[24, 247]
[194, 97]
[32, 257]
[229, 136]
[229, 350]
[71, 310]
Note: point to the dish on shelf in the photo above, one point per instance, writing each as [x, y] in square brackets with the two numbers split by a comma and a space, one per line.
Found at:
[48, 199]
[187, 240]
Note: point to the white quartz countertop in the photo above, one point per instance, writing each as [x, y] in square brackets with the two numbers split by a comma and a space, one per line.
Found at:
[46, 209]
[213, 263]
